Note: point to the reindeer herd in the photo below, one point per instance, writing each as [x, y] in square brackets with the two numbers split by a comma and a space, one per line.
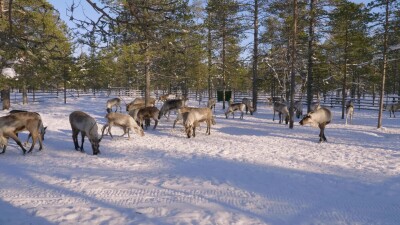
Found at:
[139, 115]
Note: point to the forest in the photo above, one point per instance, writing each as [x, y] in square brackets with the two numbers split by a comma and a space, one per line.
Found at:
[287, 48]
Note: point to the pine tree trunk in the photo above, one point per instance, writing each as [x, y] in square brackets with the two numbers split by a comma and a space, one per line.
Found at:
[385, 46]
[5, 96]
[293, 69]
[310, 65]
[24, 95]
[255, 56]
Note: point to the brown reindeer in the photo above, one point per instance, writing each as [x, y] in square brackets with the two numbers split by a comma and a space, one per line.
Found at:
[172, 104]
[42, 129]
[147, 113]
[87, 126]
[17, 122]
[249, 105]
[235, 107]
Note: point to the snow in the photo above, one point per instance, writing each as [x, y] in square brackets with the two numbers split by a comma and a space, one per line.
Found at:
[250, 171]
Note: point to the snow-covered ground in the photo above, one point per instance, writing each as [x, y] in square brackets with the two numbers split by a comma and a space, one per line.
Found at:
[251, 171]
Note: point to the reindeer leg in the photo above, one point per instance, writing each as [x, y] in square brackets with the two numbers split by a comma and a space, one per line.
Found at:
[27, 140]
[34, 137]
[83, 140]
[241, 116]
[194, 131]
[4, 149]
[109, 130]
[155, 123]
[16, 139]
[75, 133]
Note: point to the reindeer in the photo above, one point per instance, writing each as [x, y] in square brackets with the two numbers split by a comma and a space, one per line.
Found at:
[192, 119]
[17, 122]
[211, 103]
[248, 105]
[152, 101]
[315, 106]
[164, 98]
[282, 110]
[147, 113]
[113, 102]
[82, 122]
[320, 117]
[187, 109]
[349, 111]
[42, 129]
[392, 108]
[172, 104]
[132, 106]
[124, 121]
[235, 107]
[298, 108]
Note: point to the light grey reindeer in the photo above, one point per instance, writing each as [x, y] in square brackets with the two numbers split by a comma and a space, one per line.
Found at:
[126, 122]
[298, 108]
[282, 110]
[349, 111]
[392, 108]
[235, 107]
[11, 124]
[318, 118]
[82, 122]
[172, 104]
[211, 103]
[113, 102]
[193, 118]
[42, 128]
[185, 109]
[249, 105]
[315, 105]
[152, 101]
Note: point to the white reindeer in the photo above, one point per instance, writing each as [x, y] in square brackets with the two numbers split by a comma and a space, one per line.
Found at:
[349, 111]
[11, 124]
[321, 117]
[82, 122]
[235, 107]
[113, 102]
[194, 117]
[282, 110]
[124, 121]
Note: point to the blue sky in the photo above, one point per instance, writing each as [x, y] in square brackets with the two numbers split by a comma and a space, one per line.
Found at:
[85, 8]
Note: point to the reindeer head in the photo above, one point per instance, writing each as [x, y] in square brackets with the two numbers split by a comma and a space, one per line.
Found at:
[306, 120]
[95, 142]
[189, 130]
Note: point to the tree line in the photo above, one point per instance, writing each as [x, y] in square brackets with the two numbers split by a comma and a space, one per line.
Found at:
[286, 47]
